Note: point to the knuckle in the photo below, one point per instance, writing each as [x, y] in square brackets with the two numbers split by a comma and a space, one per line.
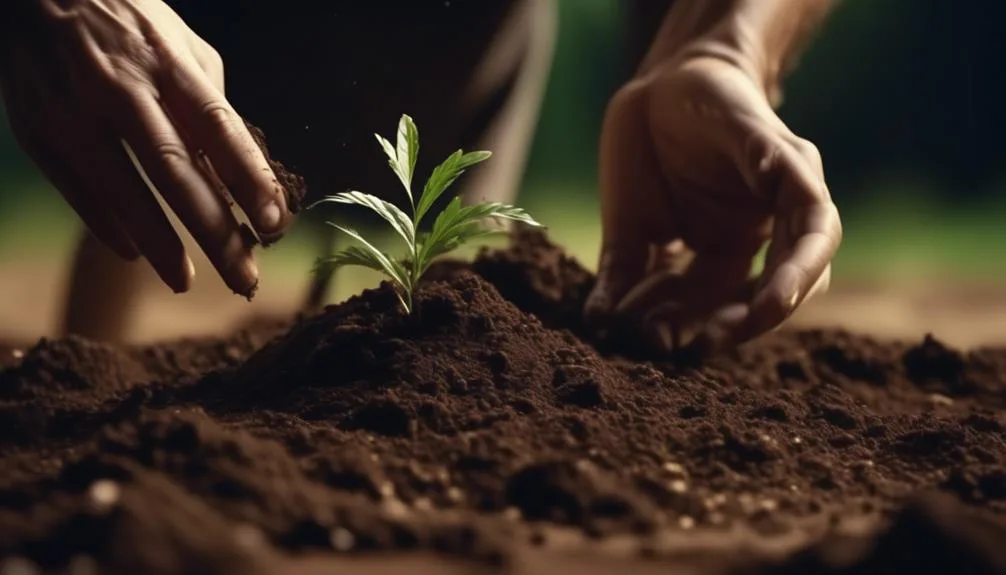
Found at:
[629, 99]
[219, 115]
[811, 152]
[172, 152]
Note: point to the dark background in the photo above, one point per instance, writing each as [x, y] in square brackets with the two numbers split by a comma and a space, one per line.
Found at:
[903, 97]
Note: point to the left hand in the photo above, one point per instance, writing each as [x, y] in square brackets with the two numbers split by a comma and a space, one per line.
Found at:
[696, 172]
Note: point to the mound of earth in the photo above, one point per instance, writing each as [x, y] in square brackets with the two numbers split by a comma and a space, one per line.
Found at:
[488, 423]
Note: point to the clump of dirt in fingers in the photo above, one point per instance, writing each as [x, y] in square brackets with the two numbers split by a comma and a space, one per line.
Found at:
[485, 414]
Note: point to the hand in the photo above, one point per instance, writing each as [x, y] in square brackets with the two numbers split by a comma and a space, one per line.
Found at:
[696, 173]
[83, 77]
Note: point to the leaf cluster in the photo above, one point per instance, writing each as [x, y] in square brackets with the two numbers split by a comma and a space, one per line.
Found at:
[454, 226]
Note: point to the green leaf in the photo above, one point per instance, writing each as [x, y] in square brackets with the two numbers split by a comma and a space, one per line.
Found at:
[459, 236]
[444, 175]
[398, 219]
[403, 155]
[407, 147]
[457, 225]
[383, 263]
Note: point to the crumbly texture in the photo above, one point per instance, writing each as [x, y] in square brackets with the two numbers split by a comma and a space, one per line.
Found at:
[486, 419]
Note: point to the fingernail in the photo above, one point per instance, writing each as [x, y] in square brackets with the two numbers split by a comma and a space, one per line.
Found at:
[245, 280]
[793, 299]
[270, 217]
[185, 282]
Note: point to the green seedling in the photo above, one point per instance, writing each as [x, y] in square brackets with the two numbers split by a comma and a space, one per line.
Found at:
[454, 226]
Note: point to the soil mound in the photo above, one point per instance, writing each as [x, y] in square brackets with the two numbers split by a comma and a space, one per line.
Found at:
[363, 428]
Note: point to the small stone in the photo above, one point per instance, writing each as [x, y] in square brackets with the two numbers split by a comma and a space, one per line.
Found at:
[716, 518]
[797, 439]
[17, 353]
[19, 566]
[395, 508]
[374, 457]
[387, 489]
[674, 468]
[769, 504]
[940, 399]
[686, 522]
[455, 495]
[342, 539]
[719, 499]
[512, 514]
[678, 486]
[104, 493]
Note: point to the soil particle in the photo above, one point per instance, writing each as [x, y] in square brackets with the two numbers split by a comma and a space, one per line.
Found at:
[363, 429]
[292, 185]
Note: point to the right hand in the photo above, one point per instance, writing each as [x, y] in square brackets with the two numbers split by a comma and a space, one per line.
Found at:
[80, 77]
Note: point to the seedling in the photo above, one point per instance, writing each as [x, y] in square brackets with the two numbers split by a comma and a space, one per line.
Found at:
[454, 226]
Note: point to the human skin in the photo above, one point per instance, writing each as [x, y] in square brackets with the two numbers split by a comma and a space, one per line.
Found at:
[697, 172]
[80, 77]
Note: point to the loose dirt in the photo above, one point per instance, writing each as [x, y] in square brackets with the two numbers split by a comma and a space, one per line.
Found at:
[490, 428]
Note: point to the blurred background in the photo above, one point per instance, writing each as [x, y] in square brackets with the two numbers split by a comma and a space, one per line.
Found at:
[903, 97]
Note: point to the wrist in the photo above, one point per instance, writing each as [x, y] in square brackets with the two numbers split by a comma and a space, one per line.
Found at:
[762, 38]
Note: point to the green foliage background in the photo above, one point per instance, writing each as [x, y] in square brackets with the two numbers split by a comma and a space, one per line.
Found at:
[902, 96]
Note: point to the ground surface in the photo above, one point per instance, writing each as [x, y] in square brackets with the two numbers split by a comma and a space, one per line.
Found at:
[497, 431]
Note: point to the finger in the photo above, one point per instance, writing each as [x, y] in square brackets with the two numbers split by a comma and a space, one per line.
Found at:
[209, 61]
[682, 304]
[173, 171]
[630, 183]
[802, 254]
[207, 117]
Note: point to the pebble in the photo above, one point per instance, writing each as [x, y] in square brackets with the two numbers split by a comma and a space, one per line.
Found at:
[17, 353]
[686, 522]
[342, 539]
[395, 508]
[455, 495]
[940, 399]
[675, 468]
[387, 489]
[105, 493]
[678, 486]
[512, 514]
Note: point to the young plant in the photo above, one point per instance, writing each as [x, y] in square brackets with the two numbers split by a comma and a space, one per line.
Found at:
[455, 225]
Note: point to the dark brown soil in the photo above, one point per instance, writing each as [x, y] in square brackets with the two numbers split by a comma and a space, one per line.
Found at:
[488, 415]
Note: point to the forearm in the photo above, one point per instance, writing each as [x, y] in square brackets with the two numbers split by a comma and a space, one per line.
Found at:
[764, 37]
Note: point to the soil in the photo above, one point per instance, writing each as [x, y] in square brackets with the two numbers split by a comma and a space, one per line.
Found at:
[491, 427]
